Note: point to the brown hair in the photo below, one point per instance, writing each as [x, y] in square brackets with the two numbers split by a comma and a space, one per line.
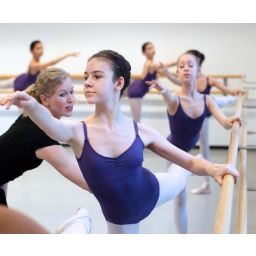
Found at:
[120, 66]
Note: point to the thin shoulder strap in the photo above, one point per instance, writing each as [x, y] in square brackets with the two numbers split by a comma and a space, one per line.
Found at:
[205, 106]
[85, 130]
[136, 128]
[178, 98]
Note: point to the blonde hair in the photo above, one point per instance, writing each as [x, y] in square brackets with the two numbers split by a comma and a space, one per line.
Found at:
[46, 83]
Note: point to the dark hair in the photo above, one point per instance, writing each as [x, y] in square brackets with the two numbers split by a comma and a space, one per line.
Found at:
[120, 66]
[33, 44]
[198, 55]
[143, 48]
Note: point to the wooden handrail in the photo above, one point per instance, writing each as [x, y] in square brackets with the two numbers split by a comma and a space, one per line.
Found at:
[7, 91]
[242, 197]
[133, 76]
[223, 219]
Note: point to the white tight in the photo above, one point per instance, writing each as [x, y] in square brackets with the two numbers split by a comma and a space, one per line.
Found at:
[170, 185]
[8, 83]
[135, 104]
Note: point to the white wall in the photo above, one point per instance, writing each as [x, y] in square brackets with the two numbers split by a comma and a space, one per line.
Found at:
[229, 48]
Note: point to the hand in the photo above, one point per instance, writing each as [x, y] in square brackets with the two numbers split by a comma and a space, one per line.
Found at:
[75, 54]
[236, 92]
[19, 99]
[218, 171]
[162, 67]
[154, 84]
[230, 120]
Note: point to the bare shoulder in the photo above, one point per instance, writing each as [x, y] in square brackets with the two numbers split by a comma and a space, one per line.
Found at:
[147, 133]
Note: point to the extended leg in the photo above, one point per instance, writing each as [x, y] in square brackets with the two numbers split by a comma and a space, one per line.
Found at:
[8, 83]
[135, 104]
[205, 151]
[123, 229]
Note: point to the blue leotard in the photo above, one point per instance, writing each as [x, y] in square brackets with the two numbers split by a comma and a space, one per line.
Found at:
[207, 91]
[23, 81]
[138, 88]
[126, 191]
[185, 131]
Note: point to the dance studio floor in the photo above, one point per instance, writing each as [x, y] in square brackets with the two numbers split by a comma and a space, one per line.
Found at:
[47, 197]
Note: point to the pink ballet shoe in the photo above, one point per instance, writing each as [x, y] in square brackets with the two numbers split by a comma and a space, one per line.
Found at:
[80, 218]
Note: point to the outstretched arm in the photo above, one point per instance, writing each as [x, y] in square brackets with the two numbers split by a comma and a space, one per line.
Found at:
[59, 159]
[226, 122]
[169, 75]
[58, 130]
[159, 145]
[224, 88]
[170, 99]
[34, 66]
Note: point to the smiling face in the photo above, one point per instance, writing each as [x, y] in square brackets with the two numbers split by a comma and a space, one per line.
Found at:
[62, 101]
[37, 50]
[187, 67]
[99, 84]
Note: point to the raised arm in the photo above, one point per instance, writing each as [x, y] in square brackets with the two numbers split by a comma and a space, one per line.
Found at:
[34, 66]
[226, 122]
[154, 141]
[223, 88]
[58, 130]
[169, 75]
[59, 159]
[170, 99]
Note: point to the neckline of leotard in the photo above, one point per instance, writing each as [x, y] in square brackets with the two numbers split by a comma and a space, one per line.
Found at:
[151, 73]
[113, 158]
[189, 116]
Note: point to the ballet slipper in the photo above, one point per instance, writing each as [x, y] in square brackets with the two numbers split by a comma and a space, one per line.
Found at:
[77, 219]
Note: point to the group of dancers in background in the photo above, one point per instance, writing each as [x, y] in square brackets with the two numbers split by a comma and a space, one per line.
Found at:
[108, 166]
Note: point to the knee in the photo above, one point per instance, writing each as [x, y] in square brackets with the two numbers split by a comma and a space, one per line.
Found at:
[181, 199]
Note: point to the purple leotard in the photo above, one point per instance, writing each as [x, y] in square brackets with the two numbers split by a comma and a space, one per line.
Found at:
[185, 131]
[207, 91]
[23, 81]
[138, 88]
[126, 191]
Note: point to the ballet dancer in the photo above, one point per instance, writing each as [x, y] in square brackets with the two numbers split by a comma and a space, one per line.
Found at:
[203, 85]
[35, 67]
[112, 165]
[29, 145]
[138, 88]
[14, 222]
[186, 110]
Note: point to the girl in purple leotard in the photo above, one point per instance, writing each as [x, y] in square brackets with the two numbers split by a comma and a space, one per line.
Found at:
[109, 148]
[139, 88]
[186, 109]
[35, 67]
[203, 85]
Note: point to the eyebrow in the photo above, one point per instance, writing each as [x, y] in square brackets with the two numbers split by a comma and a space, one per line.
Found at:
[96, 71]
[65, 90]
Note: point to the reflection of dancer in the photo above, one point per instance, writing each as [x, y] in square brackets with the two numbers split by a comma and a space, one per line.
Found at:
[203, 85]
[14, 222]
[24, 146]
[21, 82]
[138, 88]
[186, 110]
[112, 165]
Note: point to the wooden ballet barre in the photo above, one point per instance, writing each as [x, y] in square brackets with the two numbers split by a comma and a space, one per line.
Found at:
[223, 219]
[133, 76]
[242, 197]
[7, 91]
